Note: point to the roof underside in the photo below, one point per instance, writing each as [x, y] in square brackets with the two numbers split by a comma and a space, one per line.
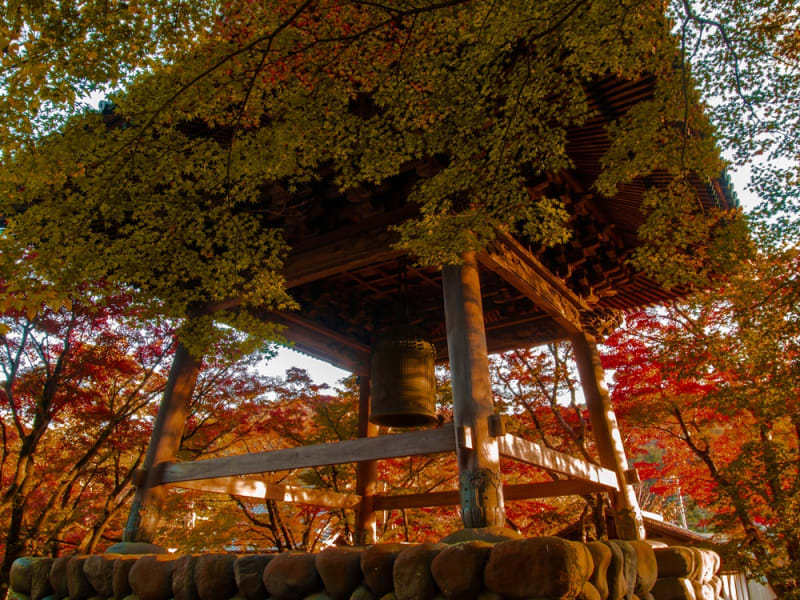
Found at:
[346, 277]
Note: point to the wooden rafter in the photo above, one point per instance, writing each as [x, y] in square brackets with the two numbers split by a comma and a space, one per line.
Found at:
[337, 257]
[512, 262]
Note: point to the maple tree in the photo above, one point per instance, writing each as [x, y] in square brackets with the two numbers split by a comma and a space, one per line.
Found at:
[714, 382]
[77, 386]
[80, 390]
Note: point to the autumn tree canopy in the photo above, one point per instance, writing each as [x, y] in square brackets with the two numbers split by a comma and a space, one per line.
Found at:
[714, 382]
[166, 189]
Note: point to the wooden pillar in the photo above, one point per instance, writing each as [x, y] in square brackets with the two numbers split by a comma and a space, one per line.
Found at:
[165, 440]
[627, 514]
[366, 473]
[480, 483]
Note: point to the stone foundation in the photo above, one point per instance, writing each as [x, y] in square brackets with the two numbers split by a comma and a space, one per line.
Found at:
[544, 568]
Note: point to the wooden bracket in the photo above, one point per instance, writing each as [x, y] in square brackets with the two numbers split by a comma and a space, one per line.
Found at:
[497, 426]
[632, 477]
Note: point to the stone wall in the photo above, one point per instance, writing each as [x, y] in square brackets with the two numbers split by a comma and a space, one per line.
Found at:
[544, 568]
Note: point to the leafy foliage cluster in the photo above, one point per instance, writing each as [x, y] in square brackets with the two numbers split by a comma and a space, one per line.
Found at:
[714, 382]
[166, 193]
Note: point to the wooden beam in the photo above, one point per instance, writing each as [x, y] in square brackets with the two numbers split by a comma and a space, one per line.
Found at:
[145, 511]
[512, 446]
[480, 482]
[346, 254]
[365, 524]
[414, 443]
[627, 514]
[321, 342]
[252, 488]
[522, 491]
[513, 263]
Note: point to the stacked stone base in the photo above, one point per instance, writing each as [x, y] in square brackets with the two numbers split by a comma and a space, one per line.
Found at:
[545, 568]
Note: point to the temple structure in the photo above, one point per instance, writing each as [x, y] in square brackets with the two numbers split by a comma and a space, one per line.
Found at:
[344, 271]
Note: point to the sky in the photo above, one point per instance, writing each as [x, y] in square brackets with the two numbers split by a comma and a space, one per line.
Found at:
[320, 371]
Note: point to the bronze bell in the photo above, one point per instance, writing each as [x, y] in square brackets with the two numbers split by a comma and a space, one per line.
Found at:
[402, 381]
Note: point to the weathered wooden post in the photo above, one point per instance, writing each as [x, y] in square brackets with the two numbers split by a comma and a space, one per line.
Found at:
[165, 440]
[366, 472]
[627, 514]
[480, 483]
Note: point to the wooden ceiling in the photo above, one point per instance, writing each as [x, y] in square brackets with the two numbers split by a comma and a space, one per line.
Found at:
[346, 276]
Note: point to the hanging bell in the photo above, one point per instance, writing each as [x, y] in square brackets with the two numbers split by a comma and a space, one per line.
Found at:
[402, 382]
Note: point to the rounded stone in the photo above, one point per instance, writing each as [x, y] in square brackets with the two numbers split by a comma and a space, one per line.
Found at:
[601, 557]
[119, 581]
[482, 534]
[377, 565]
[716, 583]
[674, 561]
[588, 592]
[40, 578]
[615, 575]
[340, 570]
[150, 577]
[412, 572]
[673, 588]
[586, 559]
[183, 583]
[362, 592]
[58, 576]
[629, 567]
[458, 569]
[214, 576]
[99, 570]
[709, 564]
[537, 567]
[703, 591]
[136, 548]
[646, 568]
[292, 576]
[21, 576]
[77, 583]
[248, 571]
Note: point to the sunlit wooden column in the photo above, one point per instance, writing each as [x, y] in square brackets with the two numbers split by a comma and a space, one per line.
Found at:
[366, 472]
[627, 514]
[165, 440]
[480, 484]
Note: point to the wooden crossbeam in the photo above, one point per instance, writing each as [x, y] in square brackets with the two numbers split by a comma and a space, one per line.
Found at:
[512, 262]
[522, 491]
[512, 446]
[414, 443]
[321, 342]
[337, 257]
[252, 488]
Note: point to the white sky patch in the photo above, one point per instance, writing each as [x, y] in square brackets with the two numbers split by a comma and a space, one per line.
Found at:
[320, 371]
